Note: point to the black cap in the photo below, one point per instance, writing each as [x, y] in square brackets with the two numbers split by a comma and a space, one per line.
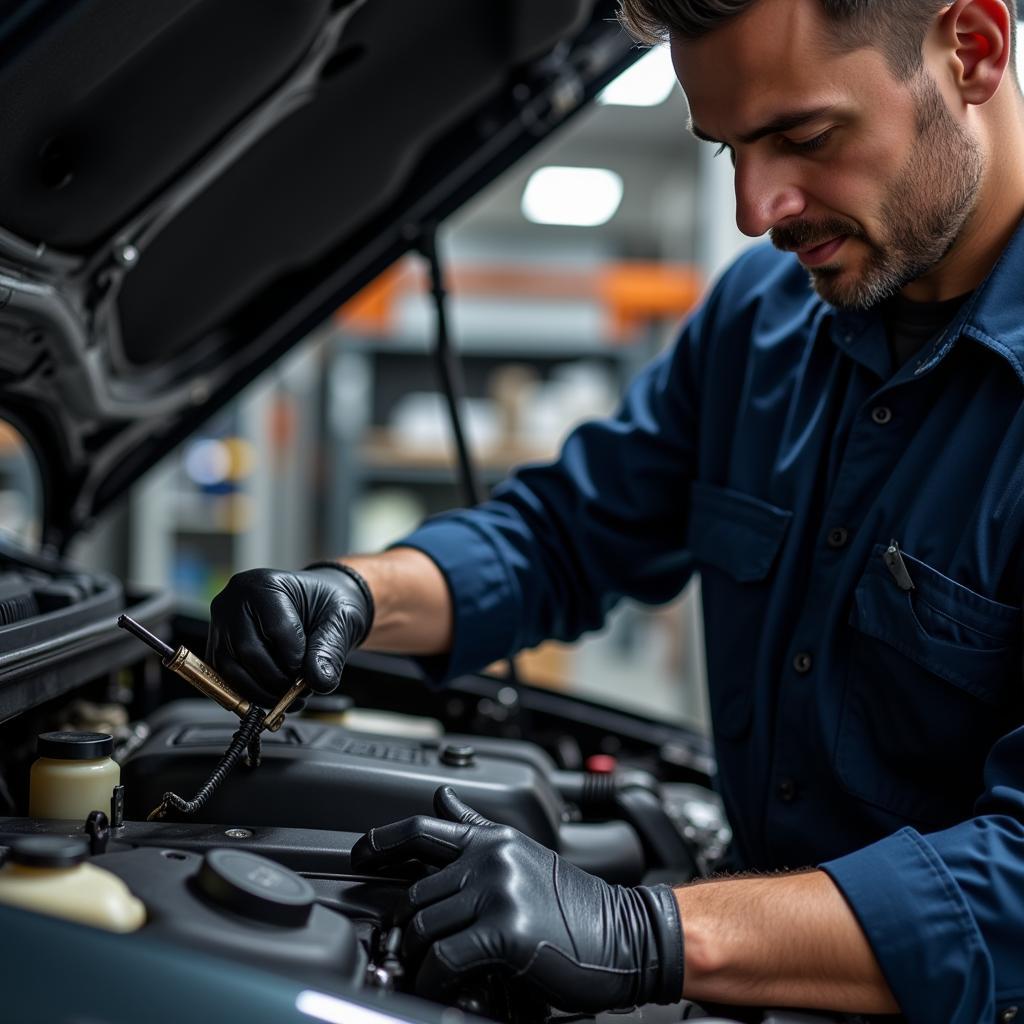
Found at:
[256, 887]
[48, 851]
[74, 746]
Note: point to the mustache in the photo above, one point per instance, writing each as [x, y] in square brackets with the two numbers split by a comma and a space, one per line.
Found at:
[802, 234]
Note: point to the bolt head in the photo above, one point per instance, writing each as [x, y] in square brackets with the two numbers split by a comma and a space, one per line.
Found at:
[457, 755]
[508, 697]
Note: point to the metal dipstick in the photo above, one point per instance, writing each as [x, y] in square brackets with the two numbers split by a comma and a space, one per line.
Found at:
[195, 671]
[276, 716]
[150, 640]
[182, 662]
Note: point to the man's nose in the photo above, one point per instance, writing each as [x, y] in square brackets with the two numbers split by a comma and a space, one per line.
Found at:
[764, 198]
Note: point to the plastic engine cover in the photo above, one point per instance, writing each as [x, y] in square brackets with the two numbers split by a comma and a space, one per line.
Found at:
[318, 776]
[238, 904]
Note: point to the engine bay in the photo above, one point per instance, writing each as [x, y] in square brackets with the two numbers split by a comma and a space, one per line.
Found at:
[261, 877]
[261, 874]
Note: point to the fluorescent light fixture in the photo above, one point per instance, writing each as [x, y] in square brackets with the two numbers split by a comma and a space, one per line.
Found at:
[576, 196]
[340, 1011]
[646, 83]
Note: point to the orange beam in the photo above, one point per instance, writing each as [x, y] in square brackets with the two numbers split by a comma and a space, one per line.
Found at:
[631, 292]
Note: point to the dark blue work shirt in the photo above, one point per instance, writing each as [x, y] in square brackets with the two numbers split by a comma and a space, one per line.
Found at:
[866, 712]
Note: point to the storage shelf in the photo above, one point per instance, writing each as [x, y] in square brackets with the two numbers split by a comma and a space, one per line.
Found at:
[512, 349]
[382, 457]
[381, 449]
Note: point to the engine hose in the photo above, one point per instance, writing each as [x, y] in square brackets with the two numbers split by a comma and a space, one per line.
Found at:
[254, 749]
[246, 738]
[598, 795]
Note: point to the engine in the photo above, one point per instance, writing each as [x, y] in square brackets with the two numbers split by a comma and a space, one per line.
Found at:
[260, 875]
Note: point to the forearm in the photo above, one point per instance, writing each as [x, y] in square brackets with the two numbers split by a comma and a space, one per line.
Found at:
[413, 608]
[784, 940]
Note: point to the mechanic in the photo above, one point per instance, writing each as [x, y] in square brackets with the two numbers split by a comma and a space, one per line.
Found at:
[836, 442]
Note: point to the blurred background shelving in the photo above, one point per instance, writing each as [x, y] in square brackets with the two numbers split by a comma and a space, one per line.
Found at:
[540, 353]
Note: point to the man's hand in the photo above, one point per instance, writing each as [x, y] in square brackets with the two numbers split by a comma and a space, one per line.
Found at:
[268, 627]
[502, 901]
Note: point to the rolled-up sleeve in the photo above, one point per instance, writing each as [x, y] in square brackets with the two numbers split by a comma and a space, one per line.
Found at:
[944, 912]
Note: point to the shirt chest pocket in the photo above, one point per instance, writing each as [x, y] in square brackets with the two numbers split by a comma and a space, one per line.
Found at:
[735, 540]
[933, 681]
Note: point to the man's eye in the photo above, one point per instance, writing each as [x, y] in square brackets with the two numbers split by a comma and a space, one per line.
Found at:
[810, 145]
[723, 148]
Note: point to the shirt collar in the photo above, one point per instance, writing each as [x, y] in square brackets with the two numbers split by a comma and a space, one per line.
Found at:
[992, 316]
[995, 315]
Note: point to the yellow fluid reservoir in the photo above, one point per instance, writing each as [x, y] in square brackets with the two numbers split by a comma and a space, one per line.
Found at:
[73, 775]
[48, 874]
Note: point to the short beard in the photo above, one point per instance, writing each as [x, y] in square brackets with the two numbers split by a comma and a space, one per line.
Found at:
[923, 217]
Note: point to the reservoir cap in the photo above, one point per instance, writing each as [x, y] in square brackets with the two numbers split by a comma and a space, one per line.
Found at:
[256, 887]
[74, 746]
[47, 851]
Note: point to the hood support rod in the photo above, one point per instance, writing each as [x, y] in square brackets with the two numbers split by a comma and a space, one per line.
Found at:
[453, 383]
[449, 367]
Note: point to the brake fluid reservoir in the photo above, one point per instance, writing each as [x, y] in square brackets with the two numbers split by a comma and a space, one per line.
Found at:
[73, 775]
[48, 874]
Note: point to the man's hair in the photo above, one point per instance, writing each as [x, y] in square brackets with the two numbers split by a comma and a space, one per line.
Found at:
[895, 27]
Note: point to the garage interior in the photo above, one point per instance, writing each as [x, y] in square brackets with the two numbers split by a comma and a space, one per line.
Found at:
[344, 446]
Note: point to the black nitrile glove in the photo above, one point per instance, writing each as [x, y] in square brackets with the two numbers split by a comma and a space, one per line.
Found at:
[268, 628]
[503, 902]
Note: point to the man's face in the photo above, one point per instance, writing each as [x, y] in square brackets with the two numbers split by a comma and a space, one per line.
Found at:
[869, 179]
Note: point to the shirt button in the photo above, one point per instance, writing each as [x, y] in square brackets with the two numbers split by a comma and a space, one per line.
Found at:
[838, 536]
[881, 414]
[788, 791]
[1010, 1013]
[803, 662]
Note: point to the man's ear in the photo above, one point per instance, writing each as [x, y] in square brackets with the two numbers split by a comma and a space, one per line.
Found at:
[977, 34]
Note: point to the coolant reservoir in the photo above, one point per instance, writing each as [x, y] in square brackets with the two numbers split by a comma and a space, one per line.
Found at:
[48, 874]
[73, 775]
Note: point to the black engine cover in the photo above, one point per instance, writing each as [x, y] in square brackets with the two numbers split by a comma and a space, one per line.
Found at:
[322, 776]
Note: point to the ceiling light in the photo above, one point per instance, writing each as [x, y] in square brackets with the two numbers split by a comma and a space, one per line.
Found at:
[576, 196]
[646, 83]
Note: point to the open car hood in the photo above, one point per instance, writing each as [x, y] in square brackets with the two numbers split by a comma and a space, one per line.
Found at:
[190, 186]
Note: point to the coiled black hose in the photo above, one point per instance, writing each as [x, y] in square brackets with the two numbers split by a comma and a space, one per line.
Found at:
[246, 738]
